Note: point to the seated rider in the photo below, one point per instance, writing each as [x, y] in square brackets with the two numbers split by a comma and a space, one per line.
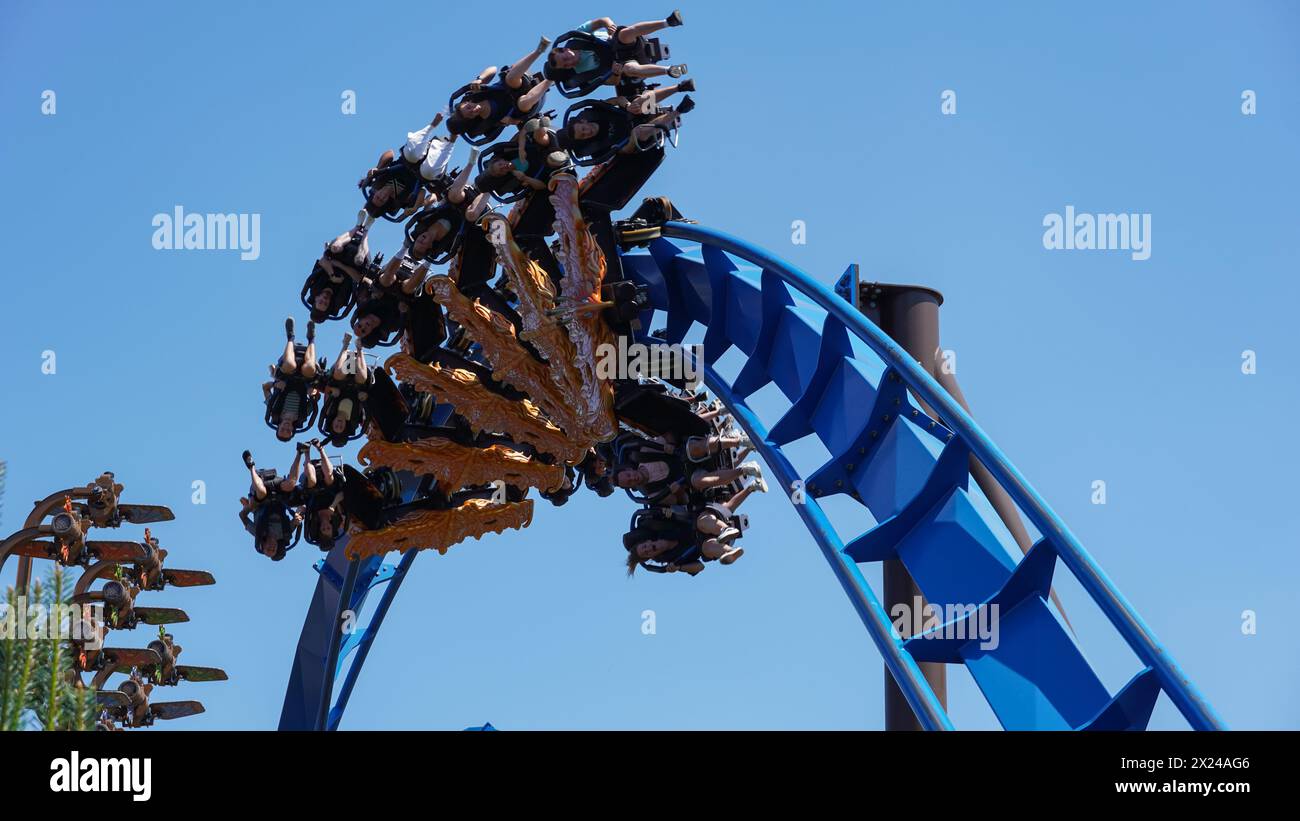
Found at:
[395, 187]
[654, 472]
[482, 110]
[271, 511]
[384, 302]
[679, 538]
[292, 396]
[600, 129]
[595, 470]
[434, 233]
[321, 489]
[605, 52]
[331, 285]
[520, 165]
[343, 416]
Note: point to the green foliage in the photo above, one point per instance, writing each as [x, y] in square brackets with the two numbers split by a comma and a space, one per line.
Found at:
[38, 690]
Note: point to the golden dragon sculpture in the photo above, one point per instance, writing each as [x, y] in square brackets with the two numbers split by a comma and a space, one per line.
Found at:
[584, 272]
[455, 466]
[511, 362]
[440, 529]
[485, 410]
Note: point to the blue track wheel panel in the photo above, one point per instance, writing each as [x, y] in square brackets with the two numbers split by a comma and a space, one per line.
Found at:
[848, 383]
[833, 366]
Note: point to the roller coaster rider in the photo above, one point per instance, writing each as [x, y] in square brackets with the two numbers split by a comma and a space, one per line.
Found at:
[683, 538]
[626, 164]
[509, 170]
[602, 52]
[343, 415]
[480, 112]
[662, 544]
[321, 493]
[292, 398]
[385, 302]
[396, 186]
[594, 470]
[378, 318]
[594, 131]
[653, 472]
[271, 511]
[330, 288]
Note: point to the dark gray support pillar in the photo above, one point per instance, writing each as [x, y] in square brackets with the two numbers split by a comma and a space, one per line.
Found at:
[910, 315]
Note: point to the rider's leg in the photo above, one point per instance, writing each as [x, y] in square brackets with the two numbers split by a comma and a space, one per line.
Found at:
[288, 363]
[534, 96]
[627, 34]
[308, 366]
[258, 486]
[519, 68]
[708, 479]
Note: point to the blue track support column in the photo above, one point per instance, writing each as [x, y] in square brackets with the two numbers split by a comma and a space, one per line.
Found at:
[341, 585]
[367, 638]
[307, 678]
[346, 595]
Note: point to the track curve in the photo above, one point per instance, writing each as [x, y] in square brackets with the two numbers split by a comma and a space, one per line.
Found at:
[908, 470]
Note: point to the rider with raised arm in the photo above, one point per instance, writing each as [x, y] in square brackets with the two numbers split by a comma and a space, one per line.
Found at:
[321, 491]
[681, 538]
[517, 95]
[330, 286]
[574, 62]
[291, 395]
[345, 395]
[271, 510]
[397, 184]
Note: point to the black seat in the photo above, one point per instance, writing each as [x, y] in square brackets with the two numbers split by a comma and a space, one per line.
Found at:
[445, 248]
[357, 419]
[400, 171]
[386, 406]
[649, 407]
[616, 129]
[617, 181]
[484, 131]
[511, 190]
[342, 297]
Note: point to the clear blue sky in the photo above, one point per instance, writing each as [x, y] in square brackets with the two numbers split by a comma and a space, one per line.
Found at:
[1082, 365]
